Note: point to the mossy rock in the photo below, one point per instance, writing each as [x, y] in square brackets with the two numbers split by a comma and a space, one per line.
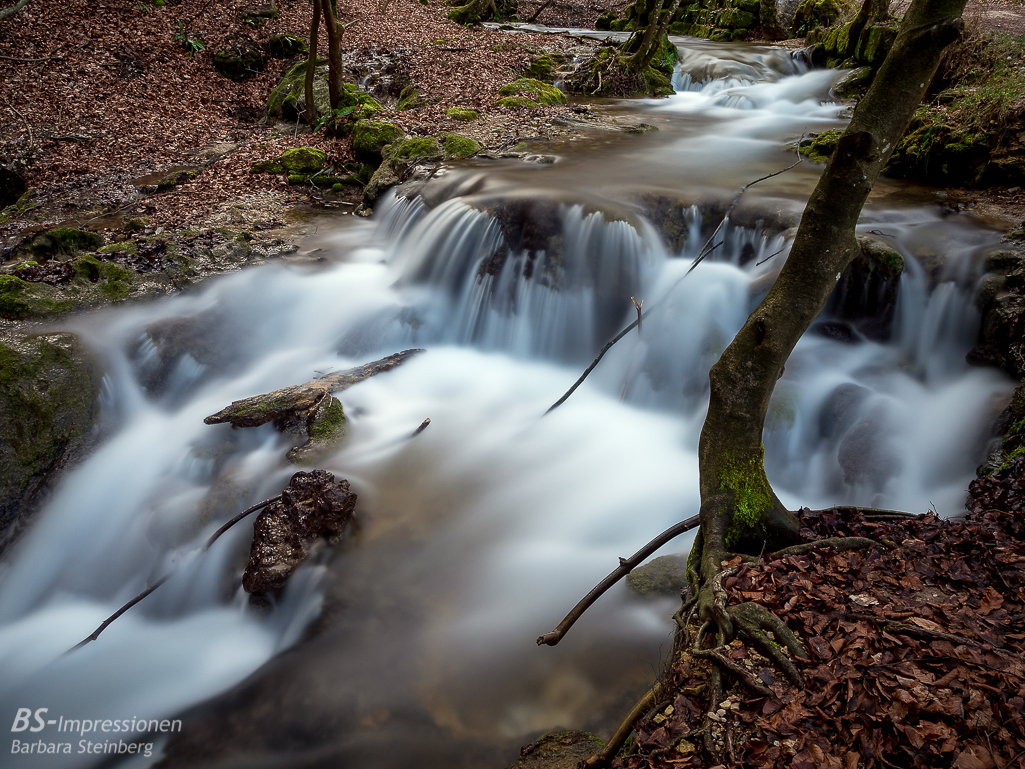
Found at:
[48, 391]
[94, 283]
[370, 137]
[122, 247]
[267, 167]
[458, 147]
[398, 157]
[174, 179]
[303, 160]
[816, 13]
[21, 300]
[820, 147]
[517, 102]
[462, 113]
[287, 47]
[64, 240]
[288, 97]
[854, 83]
[410, 98]
[240, 58]
[604, 22]
[532, 90]
[478, 11]
[541, 68]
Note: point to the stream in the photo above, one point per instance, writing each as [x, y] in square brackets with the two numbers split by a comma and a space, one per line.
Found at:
[479, 534]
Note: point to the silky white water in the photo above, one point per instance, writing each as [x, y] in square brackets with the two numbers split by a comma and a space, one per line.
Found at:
[480, 533]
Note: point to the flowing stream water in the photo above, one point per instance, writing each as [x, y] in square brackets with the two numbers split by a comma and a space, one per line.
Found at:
[480, 533]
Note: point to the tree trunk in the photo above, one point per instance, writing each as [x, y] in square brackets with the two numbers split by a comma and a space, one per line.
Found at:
[739, 511]
[653, 35]
[311, 66]
[334, 54]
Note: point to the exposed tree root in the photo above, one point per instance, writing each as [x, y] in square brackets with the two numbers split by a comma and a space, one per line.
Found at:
[626, 565]
[837, 543]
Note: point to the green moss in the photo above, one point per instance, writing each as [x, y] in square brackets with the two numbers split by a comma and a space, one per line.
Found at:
[534, 90]
[457, 146]
[410, 98]
[124, 247]
[267, 167]
[541, 68]
[370, 137]
[330, 423]
[745, 478]
[88, 268]
[287, 46]
[135, 225]
[462, 113]
[416, 148]
[20, 299]
[303, 160]
[337, 187]
[516, 102]
[65, 240]
[117, 282]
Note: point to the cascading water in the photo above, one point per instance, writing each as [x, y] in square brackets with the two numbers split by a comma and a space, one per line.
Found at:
[481, 532]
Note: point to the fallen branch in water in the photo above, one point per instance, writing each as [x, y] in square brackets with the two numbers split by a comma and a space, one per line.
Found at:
[626, 565]
[103, 626]
[307, 409]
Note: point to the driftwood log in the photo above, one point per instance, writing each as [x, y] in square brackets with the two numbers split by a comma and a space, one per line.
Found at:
[308, 410]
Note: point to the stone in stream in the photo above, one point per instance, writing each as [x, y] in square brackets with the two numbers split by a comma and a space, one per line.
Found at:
[558, 750]
[665, 575]
[313, 506]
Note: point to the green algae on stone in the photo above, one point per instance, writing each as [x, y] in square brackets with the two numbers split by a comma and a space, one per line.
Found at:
[462, 113]
[534, 90]
[457, 146]
[303, 160]
[370, 137]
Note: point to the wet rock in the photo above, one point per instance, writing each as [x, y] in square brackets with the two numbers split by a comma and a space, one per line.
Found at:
[370, 137]
[866, 294]
[314, 506]
[239, 58]
[558, 750]
[853, 84]
[864, 457]
[665, 575]
[840, 332]
[841, 409]
[1001, 300]
[48, 390]
[398, 160]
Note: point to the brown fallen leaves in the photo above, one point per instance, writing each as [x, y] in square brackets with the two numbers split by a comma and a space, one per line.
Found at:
[917, 653]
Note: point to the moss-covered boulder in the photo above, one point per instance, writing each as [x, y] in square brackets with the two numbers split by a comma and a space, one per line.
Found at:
[398, 158]
[541, 68]
[528, 92]
[286, 47]
[48, 390]
[866, 294]
[303, 160]
[93, 283]
[819, 147]
[370, 137]
[63, 241]
[410, 98]
[607, 73]
[457, 146]
[267, 167]
[239, 58]
[477, 11]
[462, 113]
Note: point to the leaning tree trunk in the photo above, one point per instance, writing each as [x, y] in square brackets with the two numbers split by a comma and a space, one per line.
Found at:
[311, 66]
[739, 511]
[653, 35]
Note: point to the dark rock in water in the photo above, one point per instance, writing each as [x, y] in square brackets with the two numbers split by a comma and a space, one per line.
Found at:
[314, 505]
[1001, 300]
[841, 332]
[841, 409]
[558, 750]
[48, 389]
[665, 575]
[866, 293]
[865, 459]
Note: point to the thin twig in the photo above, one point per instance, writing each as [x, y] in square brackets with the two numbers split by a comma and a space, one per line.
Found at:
[626, 565]
[421, 428]
[31, 141]
[602, 757]
[103, 626]
[707, 249]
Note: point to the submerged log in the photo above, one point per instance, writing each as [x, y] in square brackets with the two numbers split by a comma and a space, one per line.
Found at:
[314, 505]
[308, 409]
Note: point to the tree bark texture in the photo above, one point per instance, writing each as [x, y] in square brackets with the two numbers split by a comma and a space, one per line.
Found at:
[311, 66]
[739, 511]
[334, 54]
